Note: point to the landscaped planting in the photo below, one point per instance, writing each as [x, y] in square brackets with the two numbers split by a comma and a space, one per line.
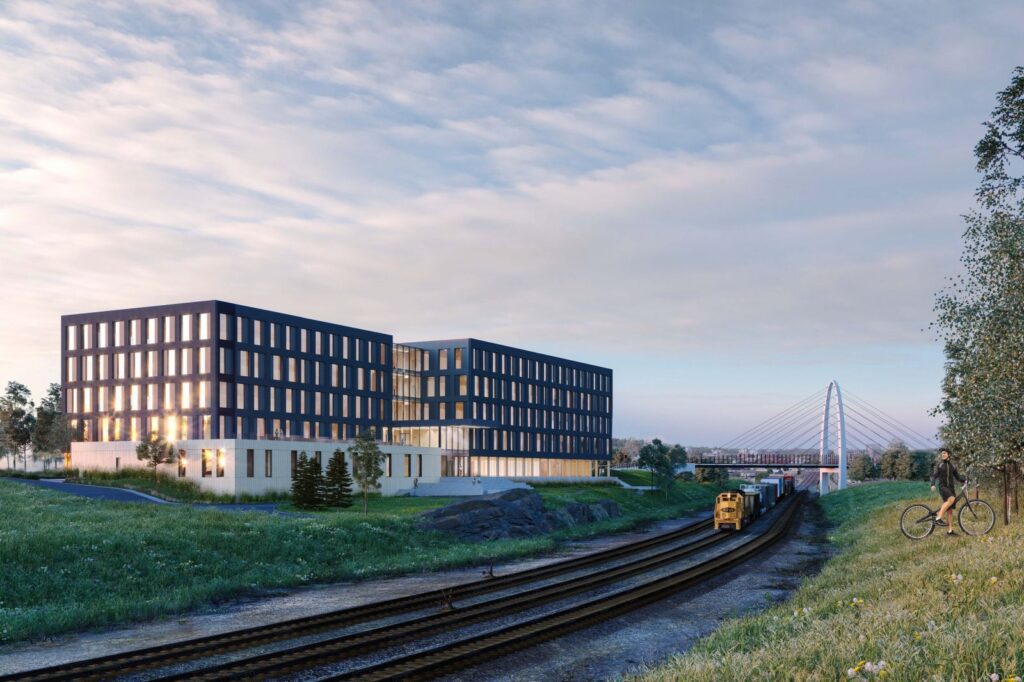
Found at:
[884, 607]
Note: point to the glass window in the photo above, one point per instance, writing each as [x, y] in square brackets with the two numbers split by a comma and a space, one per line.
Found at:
[204, 326]
[186, 396]
[182, 462]
[136, 332]
[458, 358]
[87, 336]
[268, 463]
[119, 333]
[257, 332]
[186, 327]
[250, 463]
[463, 384]
[152, 330]
[243, 363]
[102, 332]
[204, 361]
[387, 466]
[287, 337]
[137, 364]
[442, 359]
[170, 363]
[304, 340]
[207, 462]
[186, 360]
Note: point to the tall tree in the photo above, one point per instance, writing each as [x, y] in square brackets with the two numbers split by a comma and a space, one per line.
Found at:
[17, 421]
[980, 314]
[338, 483]
[366, 464]
[862, 467]
[889, 463]
[154, 451]
[52, 434]
[307, 483]
[651, 455]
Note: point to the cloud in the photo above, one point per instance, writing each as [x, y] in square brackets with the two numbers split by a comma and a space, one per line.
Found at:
[742, 182]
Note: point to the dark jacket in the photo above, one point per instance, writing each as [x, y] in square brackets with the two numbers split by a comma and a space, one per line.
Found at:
[944, 473]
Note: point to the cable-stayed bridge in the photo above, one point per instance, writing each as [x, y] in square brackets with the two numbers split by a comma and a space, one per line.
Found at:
[818, 432]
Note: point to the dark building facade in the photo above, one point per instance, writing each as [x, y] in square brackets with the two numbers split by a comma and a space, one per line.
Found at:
[504, 411]
[216, 370]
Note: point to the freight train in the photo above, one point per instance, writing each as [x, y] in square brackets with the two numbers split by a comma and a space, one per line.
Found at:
[736, 509]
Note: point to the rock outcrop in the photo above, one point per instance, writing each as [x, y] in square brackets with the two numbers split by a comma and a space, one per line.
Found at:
[511, 514]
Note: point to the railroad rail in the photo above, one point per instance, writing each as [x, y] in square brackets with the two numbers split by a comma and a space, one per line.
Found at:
[336, 649]
[470, 652]
[105, 667]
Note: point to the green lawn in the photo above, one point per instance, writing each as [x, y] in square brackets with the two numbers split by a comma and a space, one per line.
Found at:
[633, 476]
[939, 609]
[638, 508]
[69, 563]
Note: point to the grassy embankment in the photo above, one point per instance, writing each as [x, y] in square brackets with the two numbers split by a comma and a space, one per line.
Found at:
[938, 609]
[69, 563]
[163, 486]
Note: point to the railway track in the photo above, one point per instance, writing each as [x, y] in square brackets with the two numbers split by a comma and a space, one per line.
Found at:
[473, 651]
[115, 665]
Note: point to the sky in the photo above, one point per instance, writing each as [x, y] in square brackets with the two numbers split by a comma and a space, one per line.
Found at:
[729, 204]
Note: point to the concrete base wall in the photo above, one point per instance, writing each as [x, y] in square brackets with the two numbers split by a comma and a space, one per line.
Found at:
[234, 479]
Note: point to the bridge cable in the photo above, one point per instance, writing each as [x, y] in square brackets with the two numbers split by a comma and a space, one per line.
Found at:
[814, 396]
[869, 406]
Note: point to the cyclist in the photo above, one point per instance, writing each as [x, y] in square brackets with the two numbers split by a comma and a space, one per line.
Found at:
[943, 475]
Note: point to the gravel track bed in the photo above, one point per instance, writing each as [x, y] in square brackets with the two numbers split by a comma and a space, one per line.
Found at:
[188, 666]
[450, 636]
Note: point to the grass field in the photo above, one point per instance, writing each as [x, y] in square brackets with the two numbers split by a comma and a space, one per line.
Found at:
[939, 609]
[69, 563]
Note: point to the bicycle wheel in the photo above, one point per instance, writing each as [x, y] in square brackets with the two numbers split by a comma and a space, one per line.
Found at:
[976, 517]
[917, 521]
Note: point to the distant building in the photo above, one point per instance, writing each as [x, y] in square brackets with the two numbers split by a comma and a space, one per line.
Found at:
[242, 390]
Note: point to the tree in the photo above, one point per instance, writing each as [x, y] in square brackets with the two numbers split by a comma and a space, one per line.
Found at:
[17, 421]
[307, 483]
[651, 455]
[52, 434]
[980, 314]
[366, 464]
[154, 451]
[712, 475]
[862, 468]
[625, 451]
[338, 484]
[889, 463]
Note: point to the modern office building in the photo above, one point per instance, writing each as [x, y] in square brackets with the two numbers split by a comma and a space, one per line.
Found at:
[237, 388]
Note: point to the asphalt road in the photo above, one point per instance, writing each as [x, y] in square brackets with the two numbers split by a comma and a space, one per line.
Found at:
[97, 492]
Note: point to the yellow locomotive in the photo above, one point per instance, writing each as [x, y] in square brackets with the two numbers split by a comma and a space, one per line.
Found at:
[735, 509]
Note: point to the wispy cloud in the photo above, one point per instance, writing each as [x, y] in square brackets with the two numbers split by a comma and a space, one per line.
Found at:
[724, 184]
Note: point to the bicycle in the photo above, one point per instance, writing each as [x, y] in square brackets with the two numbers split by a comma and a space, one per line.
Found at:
[975, 517]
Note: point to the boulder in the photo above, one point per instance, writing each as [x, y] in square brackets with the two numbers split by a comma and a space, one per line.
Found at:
[515, 513]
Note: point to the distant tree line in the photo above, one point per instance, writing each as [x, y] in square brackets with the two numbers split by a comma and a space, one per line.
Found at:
[897, 462]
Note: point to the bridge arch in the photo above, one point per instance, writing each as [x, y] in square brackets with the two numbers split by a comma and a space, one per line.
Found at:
[825, 473]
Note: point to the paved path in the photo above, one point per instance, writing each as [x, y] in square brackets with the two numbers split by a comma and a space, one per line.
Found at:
[98, 492]
[94, 492]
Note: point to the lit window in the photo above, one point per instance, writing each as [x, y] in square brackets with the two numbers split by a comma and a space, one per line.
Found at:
[204, 361]
[442, 359]
[136, 332]
[243, 363]
[151, 330]
[135, 399]
[458, 358]
[119, 333]
[207, 462]
[224, 326]
[103, 334]
[186, 327]
[186, 396]
[204, 326]
[463, 384]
